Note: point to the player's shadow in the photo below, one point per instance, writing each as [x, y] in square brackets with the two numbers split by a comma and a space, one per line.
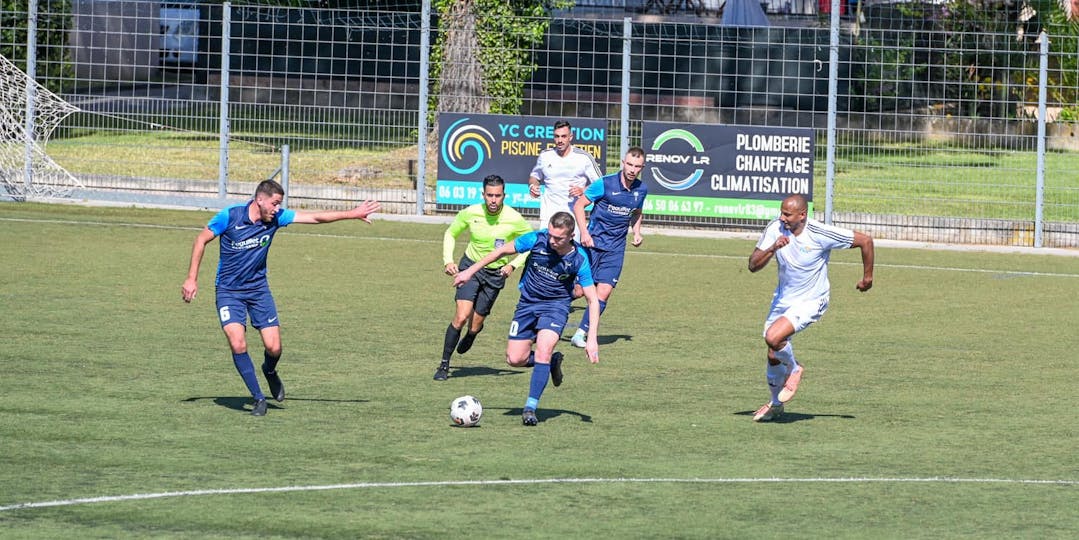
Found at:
[546, 414]
[792, 417]
[605, 339]
[244, 403]
[482, 371]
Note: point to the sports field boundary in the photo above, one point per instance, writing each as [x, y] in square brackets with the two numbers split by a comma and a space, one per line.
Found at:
[536, 481]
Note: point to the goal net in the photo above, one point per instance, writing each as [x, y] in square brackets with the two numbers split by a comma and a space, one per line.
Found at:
[25, 170]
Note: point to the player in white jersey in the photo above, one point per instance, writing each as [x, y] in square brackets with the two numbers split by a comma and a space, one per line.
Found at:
[564, 170]
[801, 248]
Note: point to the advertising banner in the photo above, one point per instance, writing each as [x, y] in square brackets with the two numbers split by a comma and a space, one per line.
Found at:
[472, 146]
[735, 172]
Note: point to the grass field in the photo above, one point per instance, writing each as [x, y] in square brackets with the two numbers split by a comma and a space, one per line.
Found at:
[934, 406]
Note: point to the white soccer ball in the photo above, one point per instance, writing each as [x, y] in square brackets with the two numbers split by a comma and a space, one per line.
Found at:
[466, 411]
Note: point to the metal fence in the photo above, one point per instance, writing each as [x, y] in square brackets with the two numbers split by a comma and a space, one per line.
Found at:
[925, 132]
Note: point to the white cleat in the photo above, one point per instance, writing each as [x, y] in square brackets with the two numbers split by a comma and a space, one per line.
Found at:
[579, 338]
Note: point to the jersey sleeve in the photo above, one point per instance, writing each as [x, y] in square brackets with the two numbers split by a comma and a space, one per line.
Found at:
[537, 169]
[770, 234]
[219, 222]
[524, 243]
[285, 217]
[594, 191]
[593, 172]
[449, 238]
[584, 273]
[523, 228]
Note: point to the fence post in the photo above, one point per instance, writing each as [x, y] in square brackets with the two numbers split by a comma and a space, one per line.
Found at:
[1043, 77]
[833, 99]
[223, 119]
[284, 174]
[627, 48]
[31, 93]
[421, 122]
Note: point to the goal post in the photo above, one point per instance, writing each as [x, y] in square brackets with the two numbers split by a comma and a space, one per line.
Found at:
[29, 113]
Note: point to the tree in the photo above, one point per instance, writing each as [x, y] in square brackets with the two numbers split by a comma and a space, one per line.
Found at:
[484, 52]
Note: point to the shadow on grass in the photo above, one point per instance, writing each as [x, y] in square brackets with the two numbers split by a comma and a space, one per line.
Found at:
[546, 414]
[481, 371]
[603, 339]
[791, 417]
[244, 403]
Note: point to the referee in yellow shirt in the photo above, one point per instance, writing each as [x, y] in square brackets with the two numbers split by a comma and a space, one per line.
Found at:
[490, 226]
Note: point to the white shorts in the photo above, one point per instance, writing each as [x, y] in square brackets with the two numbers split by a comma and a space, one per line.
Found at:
[800, 315]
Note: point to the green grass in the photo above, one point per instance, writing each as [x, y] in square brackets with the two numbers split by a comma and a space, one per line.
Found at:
[956, 366]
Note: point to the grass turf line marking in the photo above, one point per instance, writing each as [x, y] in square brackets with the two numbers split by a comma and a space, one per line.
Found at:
[452, 483]
[421, 241]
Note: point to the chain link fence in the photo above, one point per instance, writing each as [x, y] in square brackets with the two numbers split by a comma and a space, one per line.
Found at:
[926, 130]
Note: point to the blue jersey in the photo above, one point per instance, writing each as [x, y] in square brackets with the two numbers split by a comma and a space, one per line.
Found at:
[244, 246]
[613, 207]
[548, 275]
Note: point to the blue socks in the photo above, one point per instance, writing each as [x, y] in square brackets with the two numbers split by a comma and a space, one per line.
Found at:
[584, 318]
[540, 374]
[246, 368]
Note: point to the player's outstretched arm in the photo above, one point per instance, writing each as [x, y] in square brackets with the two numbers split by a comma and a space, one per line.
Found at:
[361, 212]
[463, 276]
[579, 205]
[865, 243]
[591, 347]
[190, 287]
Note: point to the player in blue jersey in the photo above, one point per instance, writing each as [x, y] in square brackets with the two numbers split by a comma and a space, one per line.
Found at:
[246, 231]
[554, 262]
[617, 200]
[801, 248]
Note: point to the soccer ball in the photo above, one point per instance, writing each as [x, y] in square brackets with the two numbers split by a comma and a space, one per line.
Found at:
[466, 411]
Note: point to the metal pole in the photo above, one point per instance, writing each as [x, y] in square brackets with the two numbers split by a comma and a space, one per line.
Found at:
[833, 99]
[1043, 77]
[284, 173]
[31, 96]
[627, 48]
[421, 122]
[223, 107]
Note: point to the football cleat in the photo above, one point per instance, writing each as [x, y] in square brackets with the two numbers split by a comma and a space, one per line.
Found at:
[277, 388]
[529, 418]
[768, 412]
[259, 409]
[443, 371]
[579, 338]
[791, 386]
[556, 369]
[466, 343]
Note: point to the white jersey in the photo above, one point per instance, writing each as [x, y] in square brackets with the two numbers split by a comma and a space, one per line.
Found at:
[558, 173]
[803, 263]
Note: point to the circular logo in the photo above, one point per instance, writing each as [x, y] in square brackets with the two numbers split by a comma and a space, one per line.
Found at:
[465, 147]
[681, 135]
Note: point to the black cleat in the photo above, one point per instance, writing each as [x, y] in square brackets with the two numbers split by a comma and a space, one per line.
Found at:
[443, 372]
[466, 343]
[529, 418]
[556, 369]
[259, 409]
[277, 388]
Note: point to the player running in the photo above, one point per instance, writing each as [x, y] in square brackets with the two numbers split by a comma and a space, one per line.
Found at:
[554, 262]
[618, 202]
[801, 248]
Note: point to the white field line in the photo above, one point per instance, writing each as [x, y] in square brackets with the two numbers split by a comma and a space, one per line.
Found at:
[482, 483]
[628, 252]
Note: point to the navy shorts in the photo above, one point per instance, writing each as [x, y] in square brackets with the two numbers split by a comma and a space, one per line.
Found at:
[482, 290]
[236, 306]
[530, 318]
[606, 265]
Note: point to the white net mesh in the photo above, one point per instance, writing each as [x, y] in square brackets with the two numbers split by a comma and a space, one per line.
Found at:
[18, 145]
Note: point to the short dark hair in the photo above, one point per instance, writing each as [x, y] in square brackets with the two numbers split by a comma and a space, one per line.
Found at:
[493, 180]
[563, 220]
[635, 151]
[269, 188]
[562, 124]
